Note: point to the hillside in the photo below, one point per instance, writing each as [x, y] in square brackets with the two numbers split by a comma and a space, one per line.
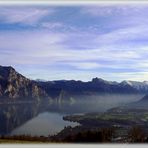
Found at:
[15, 86]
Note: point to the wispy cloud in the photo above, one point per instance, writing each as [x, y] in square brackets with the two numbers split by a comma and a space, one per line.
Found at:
[125, 34]
[108, 10]
[24, 15]
[43, 44]
[51, 25]
[103, 41]
[85, 65]
[45, 47]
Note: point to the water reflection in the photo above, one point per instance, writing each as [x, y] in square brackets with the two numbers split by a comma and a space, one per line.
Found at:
[12, 116]
[44, 124]
[46, 118]
[33, 119]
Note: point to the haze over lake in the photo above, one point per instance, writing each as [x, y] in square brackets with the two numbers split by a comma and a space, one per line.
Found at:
[47, 119]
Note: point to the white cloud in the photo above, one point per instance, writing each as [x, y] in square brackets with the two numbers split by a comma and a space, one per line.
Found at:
[97, 11]
[107, 10]
[85, 65]
[79, 51]
[135, 76]
[124, 34]
[30, 15]
[52, 25]
[42, 47]
[28, 47]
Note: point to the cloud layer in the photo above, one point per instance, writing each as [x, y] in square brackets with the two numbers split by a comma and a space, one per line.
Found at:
[76, 42]
[23, 15]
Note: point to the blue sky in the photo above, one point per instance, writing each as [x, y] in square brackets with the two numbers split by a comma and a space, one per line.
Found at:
[76, 42]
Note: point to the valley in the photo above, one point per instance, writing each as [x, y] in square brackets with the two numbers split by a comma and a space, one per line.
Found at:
[75, 108]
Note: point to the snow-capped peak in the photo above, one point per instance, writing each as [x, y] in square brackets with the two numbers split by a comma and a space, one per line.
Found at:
[136, 84]
[125, 82]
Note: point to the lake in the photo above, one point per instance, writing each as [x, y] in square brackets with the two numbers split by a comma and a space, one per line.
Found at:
[44, 124]
[47, 119]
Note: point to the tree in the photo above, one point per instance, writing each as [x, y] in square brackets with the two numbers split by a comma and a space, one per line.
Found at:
[136, 134]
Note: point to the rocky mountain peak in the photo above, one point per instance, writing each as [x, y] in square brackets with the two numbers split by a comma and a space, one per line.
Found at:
[15, 85]
[97, 80]
[6, 71]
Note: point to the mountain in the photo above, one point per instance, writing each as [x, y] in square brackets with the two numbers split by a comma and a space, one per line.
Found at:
[97, 85]
[15, 86]
[140, 86]
[144, 99]
[140, 104]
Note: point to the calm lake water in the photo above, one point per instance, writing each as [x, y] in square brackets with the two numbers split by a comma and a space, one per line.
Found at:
[47, 119]
[44, 124]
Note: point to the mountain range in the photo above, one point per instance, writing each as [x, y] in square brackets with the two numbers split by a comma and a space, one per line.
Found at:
[14, 86]
[95, 86]
[140, 86]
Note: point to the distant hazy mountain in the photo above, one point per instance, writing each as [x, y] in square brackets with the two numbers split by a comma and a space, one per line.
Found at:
[144, 99]
[140, 86]
[141, 104]
[13, 85]
[95, 86]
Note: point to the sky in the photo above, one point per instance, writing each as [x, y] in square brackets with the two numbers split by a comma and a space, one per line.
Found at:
[76, 42]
